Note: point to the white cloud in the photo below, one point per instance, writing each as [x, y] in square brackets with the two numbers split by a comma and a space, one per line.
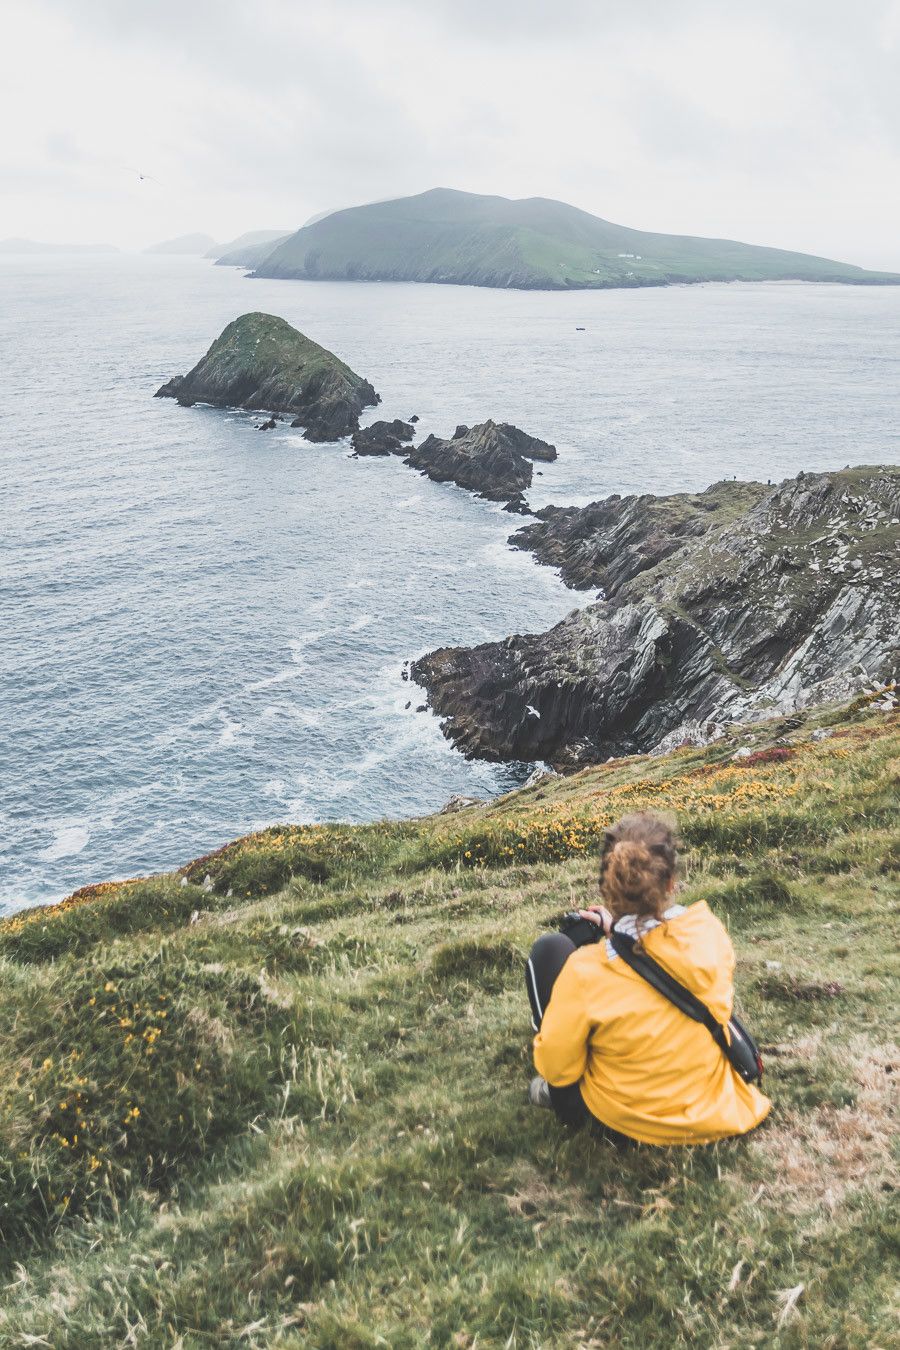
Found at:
[779, 123]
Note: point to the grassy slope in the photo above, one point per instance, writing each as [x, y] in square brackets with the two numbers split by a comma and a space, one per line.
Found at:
[464, 237]
[265, 343]
[299, 1119]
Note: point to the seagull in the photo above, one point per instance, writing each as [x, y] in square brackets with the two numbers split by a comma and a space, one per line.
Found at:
[144, 177]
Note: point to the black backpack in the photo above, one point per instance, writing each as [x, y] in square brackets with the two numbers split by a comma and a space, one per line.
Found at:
[741, 1051]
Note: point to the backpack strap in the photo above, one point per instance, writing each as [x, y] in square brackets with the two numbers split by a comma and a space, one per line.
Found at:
[667, 985]
[740, 1051]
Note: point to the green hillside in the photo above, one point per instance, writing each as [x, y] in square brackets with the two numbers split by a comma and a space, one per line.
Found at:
[248, 249]
[277, 1099]
[462, 238]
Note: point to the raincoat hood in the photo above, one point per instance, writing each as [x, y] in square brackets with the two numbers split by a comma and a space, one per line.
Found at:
[695, 949]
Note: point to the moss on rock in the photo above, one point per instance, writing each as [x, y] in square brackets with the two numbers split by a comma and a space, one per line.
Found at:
[260, 362]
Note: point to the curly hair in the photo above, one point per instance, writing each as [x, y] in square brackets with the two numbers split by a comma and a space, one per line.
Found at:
[638, 863]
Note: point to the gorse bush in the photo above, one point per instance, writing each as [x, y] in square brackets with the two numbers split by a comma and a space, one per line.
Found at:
[262, 863]
[129, 1072]
[741, 807]
[98, 914]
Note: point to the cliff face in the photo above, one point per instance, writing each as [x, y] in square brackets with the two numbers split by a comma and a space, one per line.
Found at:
[607, 543]
[718, 605]
[261, 362]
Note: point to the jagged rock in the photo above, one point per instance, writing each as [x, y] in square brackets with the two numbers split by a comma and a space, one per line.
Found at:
[609, 542]
[532, 447]
[492, 459]
[699, 623]
[541, 774]
[459, 803]
[689, 734]
[260, 362]
[382, 438]
[268, 425]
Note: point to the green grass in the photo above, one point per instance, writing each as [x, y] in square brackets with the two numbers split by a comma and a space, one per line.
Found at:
[325, 1143]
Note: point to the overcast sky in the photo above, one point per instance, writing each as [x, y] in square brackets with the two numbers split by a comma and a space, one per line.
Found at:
[776, 122]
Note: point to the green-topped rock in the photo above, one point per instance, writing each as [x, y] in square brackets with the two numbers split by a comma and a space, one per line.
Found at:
[260, 362]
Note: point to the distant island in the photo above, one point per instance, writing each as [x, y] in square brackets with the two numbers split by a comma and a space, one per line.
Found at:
[35, 246]
[199, 244]
[465, 239]
[248, 250]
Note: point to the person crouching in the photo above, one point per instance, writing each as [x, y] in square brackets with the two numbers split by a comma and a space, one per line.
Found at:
[611, 1051]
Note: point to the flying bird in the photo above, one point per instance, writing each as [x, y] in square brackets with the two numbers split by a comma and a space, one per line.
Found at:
[144, 177]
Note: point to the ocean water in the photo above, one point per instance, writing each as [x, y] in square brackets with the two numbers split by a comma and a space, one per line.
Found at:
[204, 626]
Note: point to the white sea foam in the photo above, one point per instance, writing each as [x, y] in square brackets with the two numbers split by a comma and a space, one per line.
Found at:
[303, 716]
[229, 733]
[297, 646]
[69, 840]
[281, 677]
[297, 713]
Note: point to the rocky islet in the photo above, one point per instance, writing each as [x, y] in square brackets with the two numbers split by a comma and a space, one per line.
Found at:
[260, 362]
[383, 438]
[492, 459]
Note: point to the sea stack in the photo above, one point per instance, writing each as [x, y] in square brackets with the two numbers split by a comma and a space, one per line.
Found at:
[383, 438]
[492, 459]
[260, 362]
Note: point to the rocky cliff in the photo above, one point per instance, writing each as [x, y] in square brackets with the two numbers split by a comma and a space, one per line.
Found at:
[261, 362]
[605, 544]
[716, 606]
[492, 459]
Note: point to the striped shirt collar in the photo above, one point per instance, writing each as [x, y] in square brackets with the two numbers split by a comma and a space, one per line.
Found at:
[627, 924]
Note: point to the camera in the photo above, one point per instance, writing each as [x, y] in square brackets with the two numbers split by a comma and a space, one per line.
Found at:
[578, 930]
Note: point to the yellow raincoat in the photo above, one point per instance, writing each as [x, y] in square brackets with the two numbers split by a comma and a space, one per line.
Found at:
[644, 1067]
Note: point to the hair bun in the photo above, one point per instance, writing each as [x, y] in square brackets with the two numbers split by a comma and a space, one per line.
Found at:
[638, 866]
